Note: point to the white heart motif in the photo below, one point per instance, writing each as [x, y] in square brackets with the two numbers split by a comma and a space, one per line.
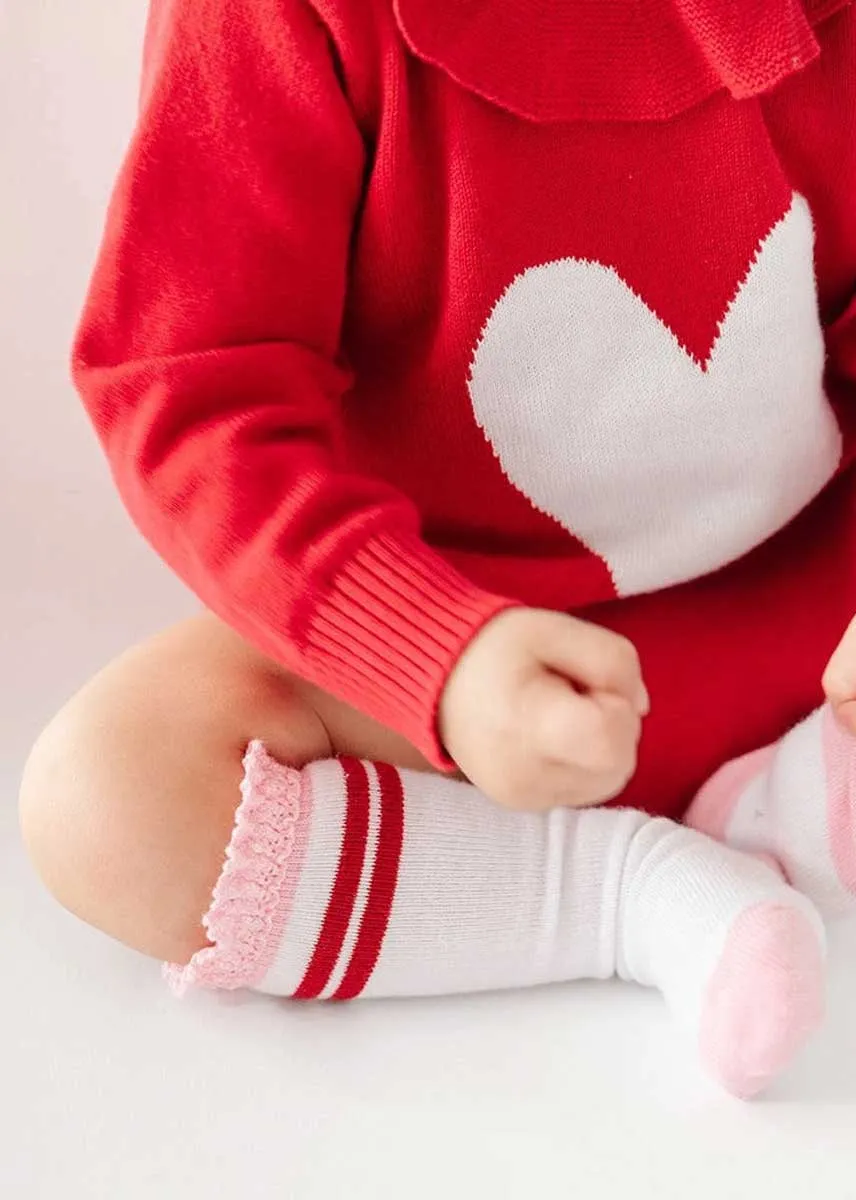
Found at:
[663, 467]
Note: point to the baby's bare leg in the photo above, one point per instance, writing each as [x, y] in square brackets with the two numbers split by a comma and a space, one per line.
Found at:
[129, 796]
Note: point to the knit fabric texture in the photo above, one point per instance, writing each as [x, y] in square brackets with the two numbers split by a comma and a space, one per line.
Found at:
[408, 312]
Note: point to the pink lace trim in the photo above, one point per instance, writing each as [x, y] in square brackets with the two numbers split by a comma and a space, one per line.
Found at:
[245, 920]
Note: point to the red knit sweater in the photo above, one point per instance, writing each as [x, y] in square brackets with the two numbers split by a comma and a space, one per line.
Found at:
[408, 310]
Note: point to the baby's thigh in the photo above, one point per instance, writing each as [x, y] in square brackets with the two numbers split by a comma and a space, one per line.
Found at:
[129, 795]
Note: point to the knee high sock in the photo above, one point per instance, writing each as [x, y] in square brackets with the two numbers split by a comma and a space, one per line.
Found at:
[795, 802]
[354, 879]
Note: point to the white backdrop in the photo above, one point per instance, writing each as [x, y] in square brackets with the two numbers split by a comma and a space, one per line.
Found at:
[111, 1089]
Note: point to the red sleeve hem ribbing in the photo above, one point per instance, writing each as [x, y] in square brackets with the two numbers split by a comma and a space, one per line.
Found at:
[388, 634]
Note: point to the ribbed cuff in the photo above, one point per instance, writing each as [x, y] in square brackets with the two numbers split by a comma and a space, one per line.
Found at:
[387, 635]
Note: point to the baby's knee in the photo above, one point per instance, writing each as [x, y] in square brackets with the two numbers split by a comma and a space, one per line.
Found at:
[129, 795]
[128, 798]
[93, 803]
[56, 802]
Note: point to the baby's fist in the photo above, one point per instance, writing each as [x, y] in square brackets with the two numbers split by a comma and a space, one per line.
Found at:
[544, 710]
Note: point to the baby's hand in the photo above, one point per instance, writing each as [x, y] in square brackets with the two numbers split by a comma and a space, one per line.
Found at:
[839, 679]
[545, 710]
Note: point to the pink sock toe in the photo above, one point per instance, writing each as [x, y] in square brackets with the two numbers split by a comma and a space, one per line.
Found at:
[765, 998]
[713, 807]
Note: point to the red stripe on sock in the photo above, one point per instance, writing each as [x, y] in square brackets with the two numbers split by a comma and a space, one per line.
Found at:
[382, 888]
[344, 894]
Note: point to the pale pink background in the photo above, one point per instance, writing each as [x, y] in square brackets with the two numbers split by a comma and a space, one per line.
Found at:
[110, 1089]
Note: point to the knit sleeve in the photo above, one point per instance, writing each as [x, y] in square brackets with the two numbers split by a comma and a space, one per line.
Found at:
[207, 358]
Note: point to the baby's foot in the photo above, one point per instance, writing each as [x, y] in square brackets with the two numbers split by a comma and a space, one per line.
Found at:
[737, 953]
[795, 802]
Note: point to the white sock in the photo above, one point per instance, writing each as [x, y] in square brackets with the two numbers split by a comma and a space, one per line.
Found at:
[795, 802]
[350, 879]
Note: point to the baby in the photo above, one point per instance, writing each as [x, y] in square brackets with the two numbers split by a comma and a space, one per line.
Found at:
[460, 357]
